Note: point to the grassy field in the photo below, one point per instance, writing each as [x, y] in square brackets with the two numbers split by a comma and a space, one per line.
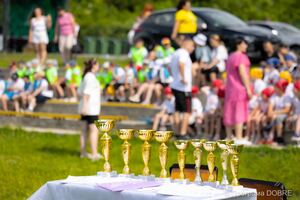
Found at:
[29, 159]
[6, 59]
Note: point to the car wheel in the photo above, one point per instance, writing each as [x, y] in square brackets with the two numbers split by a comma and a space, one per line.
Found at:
[296, 50]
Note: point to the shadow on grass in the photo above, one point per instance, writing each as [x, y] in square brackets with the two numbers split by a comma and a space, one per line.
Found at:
[59, 151]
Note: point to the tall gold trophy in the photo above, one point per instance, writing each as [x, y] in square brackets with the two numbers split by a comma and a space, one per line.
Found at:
[146, 135]
[210, 147]
[126, 134]
[223, 145]
[181, 145]
[235, 150]
[197, 143]
[104, 127]
[163, 137]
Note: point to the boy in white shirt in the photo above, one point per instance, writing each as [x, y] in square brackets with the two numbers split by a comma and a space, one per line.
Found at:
[271, 74]
[256, 75]
[296, 111]
[166, 113]
[119, 80]
[196, 118]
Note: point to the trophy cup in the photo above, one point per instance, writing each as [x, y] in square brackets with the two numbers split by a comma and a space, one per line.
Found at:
[235, 150]
[210, 147]
[163, 137]
[104, 127]
[146, 135]
[126, 134]
[181, 145]
[223, 145]
[197, 143]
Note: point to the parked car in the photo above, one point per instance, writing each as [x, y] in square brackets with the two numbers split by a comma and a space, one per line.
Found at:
[288, 34]
[210, 21]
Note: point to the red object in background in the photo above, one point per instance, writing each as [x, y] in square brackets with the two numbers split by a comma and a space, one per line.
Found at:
[168, 90]
[221, 92]
[195, 90]
[268, 92]
[217, 83]
[297, 85]
[282, 85]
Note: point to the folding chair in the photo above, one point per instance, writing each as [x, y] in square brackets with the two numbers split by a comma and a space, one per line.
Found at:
[190, 172]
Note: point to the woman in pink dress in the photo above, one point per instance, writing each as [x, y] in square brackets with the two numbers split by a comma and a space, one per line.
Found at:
[238, 91]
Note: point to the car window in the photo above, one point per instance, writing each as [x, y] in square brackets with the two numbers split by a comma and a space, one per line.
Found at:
[164, 19]
[223, 19]
[286, 28]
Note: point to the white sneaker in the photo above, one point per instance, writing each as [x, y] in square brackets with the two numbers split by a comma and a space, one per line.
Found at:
[134, 99]
[95, 157]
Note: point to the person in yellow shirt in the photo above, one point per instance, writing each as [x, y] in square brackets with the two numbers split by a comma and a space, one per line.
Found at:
[185, 22]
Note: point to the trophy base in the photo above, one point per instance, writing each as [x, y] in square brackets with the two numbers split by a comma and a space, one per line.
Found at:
[198, 182]
[163, 180]
[234, 188]
[211, 184]
[147, 178]
[184, 181]
[223, 187]
[127, 175]
[107, 174]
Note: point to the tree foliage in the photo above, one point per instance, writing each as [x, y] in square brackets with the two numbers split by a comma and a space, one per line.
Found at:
[115, 17]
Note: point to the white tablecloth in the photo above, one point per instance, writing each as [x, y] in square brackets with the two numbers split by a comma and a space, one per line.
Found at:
[84, 188]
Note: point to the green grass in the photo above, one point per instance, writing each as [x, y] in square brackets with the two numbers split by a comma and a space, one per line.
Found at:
[29, 159]
[7, 58]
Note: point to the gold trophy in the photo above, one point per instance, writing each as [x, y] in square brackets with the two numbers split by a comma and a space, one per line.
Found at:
[235, 150]
[181, 145]
[126, 134]
[223, 145]
[104, 127]
[197, 143]
[163, 137]
[210, 147]
[146, 135]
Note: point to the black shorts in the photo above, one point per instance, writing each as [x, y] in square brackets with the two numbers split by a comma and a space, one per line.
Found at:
[118, 85]
[90, 119]
[41, 99]
[207, 72]
[183, 101]
[164, 85]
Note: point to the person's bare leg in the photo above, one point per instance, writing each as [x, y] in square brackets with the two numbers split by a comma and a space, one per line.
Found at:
[164, 120]
[37, 51]
[279, 128]
[94, 139]
[32, 103]
[43, 52]
[228, 132]
[218, 128]
[297, 128]
[141, 90]
[239, 131]
[83, 140]
[156, 121]
[157, 90]
[177, 122]
[16, 105]
[149, 94]
[59, 90]
[185, 124]
[4, 102]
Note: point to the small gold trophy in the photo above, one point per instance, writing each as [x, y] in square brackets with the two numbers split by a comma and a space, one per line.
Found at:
[163, 137]
[181, 145]
[126, 134]
[146, 135]
[223, 145]
[104, 127]
[235, 150]
[197, 143]
[210, 147]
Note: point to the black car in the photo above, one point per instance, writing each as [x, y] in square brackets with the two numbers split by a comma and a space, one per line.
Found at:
[210, 21]
[288, 34]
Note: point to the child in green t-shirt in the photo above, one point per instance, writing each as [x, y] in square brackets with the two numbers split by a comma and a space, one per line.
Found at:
[138, 52]
[52, 77]
[73, 77]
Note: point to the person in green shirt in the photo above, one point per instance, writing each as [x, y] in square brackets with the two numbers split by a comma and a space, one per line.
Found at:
[165, 49]
[22, 69]
[74, 81]
[138, 52]
[33, 67]
[52, 77]
[105, 76]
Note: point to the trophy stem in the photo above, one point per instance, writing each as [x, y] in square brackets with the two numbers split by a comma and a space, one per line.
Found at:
[235, 169]
[224, 161]
[106, 145]
[197, 155]
[163, 156]
[146, 153]
[181, 162]
[126, 153]
[211, 165]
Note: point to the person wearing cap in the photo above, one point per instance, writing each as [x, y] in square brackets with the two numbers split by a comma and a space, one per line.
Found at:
[40, 91]
[279, 108]
[256, 75]
[165, 115]
[286, 75]
[211, 124]
[203, 57]
[138, 52]
[14, 87]
[285, 51]
[238, 90]
[262, 118]
[196, 118]
[291, 64]
[271, 73]
[296, 111]
[219, 56]
[165, 49]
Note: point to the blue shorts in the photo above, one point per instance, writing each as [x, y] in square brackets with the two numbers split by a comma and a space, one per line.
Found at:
[10, 95]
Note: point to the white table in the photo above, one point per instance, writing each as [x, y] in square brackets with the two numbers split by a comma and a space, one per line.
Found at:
[84, 188]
